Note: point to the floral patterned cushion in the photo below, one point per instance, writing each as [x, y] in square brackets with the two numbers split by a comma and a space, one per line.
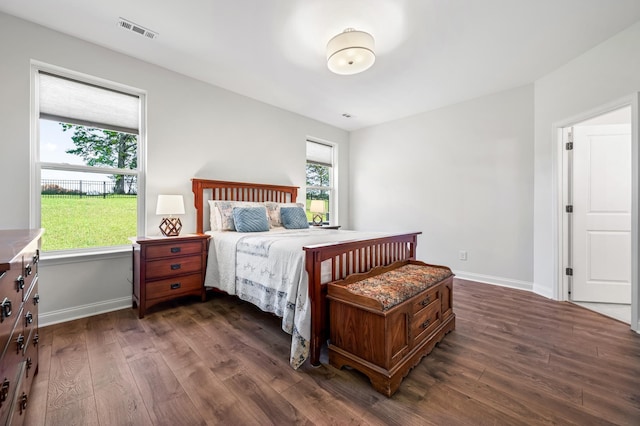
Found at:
[396, 286]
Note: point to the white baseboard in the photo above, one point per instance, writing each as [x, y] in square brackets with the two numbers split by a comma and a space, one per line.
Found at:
[69, 314]
[488, 279]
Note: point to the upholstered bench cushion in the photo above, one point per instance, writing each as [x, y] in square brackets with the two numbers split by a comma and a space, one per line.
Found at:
[395, 286]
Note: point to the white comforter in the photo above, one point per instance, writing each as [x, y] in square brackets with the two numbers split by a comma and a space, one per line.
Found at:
[267, 269]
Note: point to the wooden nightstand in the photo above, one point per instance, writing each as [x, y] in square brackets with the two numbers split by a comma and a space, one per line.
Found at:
[168, 267]
[327, 226]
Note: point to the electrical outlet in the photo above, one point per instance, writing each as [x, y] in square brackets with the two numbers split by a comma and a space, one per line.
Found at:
[462, 255]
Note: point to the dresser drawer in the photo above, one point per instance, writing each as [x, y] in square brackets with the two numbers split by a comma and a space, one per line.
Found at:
[174, 286]
[426, 300]
[425, 322]
[171, 267]
[176, 249]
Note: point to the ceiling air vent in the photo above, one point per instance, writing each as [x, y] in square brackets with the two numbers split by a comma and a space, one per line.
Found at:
[130, 26]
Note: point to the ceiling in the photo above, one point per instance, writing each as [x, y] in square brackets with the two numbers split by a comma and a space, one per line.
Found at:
[430, 53]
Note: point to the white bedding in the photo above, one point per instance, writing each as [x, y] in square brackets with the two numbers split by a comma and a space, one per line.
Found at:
[267, 269]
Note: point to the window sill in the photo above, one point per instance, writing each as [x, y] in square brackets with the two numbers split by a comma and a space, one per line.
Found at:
[90, 255]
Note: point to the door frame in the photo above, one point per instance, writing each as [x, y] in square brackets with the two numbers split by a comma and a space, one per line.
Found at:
[561, 287]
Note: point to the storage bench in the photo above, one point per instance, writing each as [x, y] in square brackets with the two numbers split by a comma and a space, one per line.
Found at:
[384, 321]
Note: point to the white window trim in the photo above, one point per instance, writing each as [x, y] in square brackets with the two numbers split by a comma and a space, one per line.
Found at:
[333, 180]
[36, 165]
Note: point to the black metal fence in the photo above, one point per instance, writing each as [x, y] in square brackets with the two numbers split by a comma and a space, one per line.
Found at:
[88, 188]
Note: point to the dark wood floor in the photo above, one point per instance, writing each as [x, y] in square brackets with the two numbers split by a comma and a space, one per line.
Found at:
[514, 358]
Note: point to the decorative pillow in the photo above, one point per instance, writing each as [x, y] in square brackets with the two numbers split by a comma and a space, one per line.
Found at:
[250, 219]
[223, 213]
[273, 209]
[294, 218]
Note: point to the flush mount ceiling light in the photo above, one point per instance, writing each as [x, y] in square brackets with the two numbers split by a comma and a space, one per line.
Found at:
[350, 52]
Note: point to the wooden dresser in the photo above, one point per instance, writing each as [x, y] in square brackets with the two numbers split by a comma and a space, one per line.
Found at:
[383, 332]
[165, 268]
[19, 257]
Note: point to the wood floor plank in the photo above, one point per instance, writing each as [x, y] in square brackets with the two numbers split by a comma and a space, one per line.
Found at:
[263, 403]
[117, 397]
[69, 375]
[211, 397]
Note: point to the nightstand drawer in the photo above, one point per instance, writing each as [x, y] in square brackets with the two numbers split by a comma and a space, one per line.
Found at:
[173, 286]
[177, 249]
[170, 267]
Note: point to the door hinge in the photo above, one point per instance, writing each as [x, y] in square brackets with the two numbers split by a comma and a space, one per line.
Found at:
[569, 271]
[569, 146]
[569, 208]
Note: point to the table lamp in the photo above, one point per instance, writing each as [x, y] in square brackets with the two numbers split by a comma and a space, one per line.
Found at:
[170, 205]
[317, 208]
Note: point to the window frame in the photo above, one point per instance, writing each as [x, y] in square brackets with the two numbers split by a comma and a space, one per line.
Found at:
[333, 173]
[37, 166]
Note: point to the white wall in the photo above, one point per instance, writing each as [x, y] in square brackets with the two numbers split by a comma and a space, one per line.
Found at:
[194, 129]
[600, 76]
[463, 175]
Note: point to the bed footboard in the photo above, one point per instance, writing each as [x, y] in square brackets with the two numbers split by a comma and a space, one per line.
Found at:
[346, 258]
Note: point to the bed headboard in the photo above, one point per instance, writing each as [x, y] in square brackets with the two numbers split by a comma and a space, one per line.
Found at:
[204, 190]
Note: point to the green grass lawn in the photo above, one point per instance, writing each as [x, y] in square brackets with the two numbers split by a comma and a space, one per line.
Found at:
[72, 223]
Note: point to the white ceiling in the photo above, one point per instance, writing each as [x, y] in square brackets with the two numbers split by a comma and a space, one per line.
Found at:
[430, 53]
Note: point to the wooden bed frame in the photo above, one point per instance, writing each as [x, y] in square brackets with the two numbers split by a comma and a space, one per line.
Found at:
[347, 257]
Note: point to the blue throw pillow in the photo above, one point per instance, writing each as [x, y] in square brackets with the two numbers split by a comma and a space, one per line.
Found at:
[293, 218]
[250, 219]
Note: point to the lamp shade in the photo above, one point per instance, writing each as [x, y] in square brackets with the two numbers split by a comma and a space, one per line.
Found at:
[317, 206]
[350, 52]
[170, 204]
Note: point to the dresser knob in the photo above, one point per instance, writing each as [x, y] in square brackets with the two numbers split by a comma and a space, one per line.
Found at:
[28, 319]
[4, 390]
[20, 343]
[19, 283]
[23, 402]
[5, 309]
[425, 324]
[426, 301]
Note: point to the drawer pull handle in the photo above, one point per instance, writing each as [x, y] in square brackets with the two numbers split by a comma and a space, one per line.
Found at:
[175, 286]
[20, 343]
[36, 339]
[19, 283]
[426, 301]
[5, 310]
[27, 269]
[36, 299]
[29, 363]
[28, 319]
[23, 402]
[425, 324]
[4, 390]
[175, 266]
[175, 249]
[36, 257]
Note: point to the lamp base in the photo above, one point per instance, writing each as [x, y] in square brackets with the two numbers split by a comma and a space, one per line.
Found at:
[170, 226]
[317, 219]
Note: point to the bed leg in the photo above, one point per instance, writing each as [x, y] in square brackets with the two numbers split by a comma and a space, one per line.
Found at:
[314, 357]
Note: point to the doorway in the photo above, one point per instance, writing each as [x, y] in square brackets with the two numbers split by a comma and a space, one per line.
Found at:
[597, 202]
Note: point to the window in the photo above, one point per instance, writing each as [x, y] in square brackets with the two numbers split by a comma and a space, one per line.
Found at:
[87, 163]
[320, 178]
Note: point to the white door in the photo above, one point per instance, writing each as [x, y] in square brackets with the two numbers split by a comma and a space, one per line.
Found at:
[601, 218]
